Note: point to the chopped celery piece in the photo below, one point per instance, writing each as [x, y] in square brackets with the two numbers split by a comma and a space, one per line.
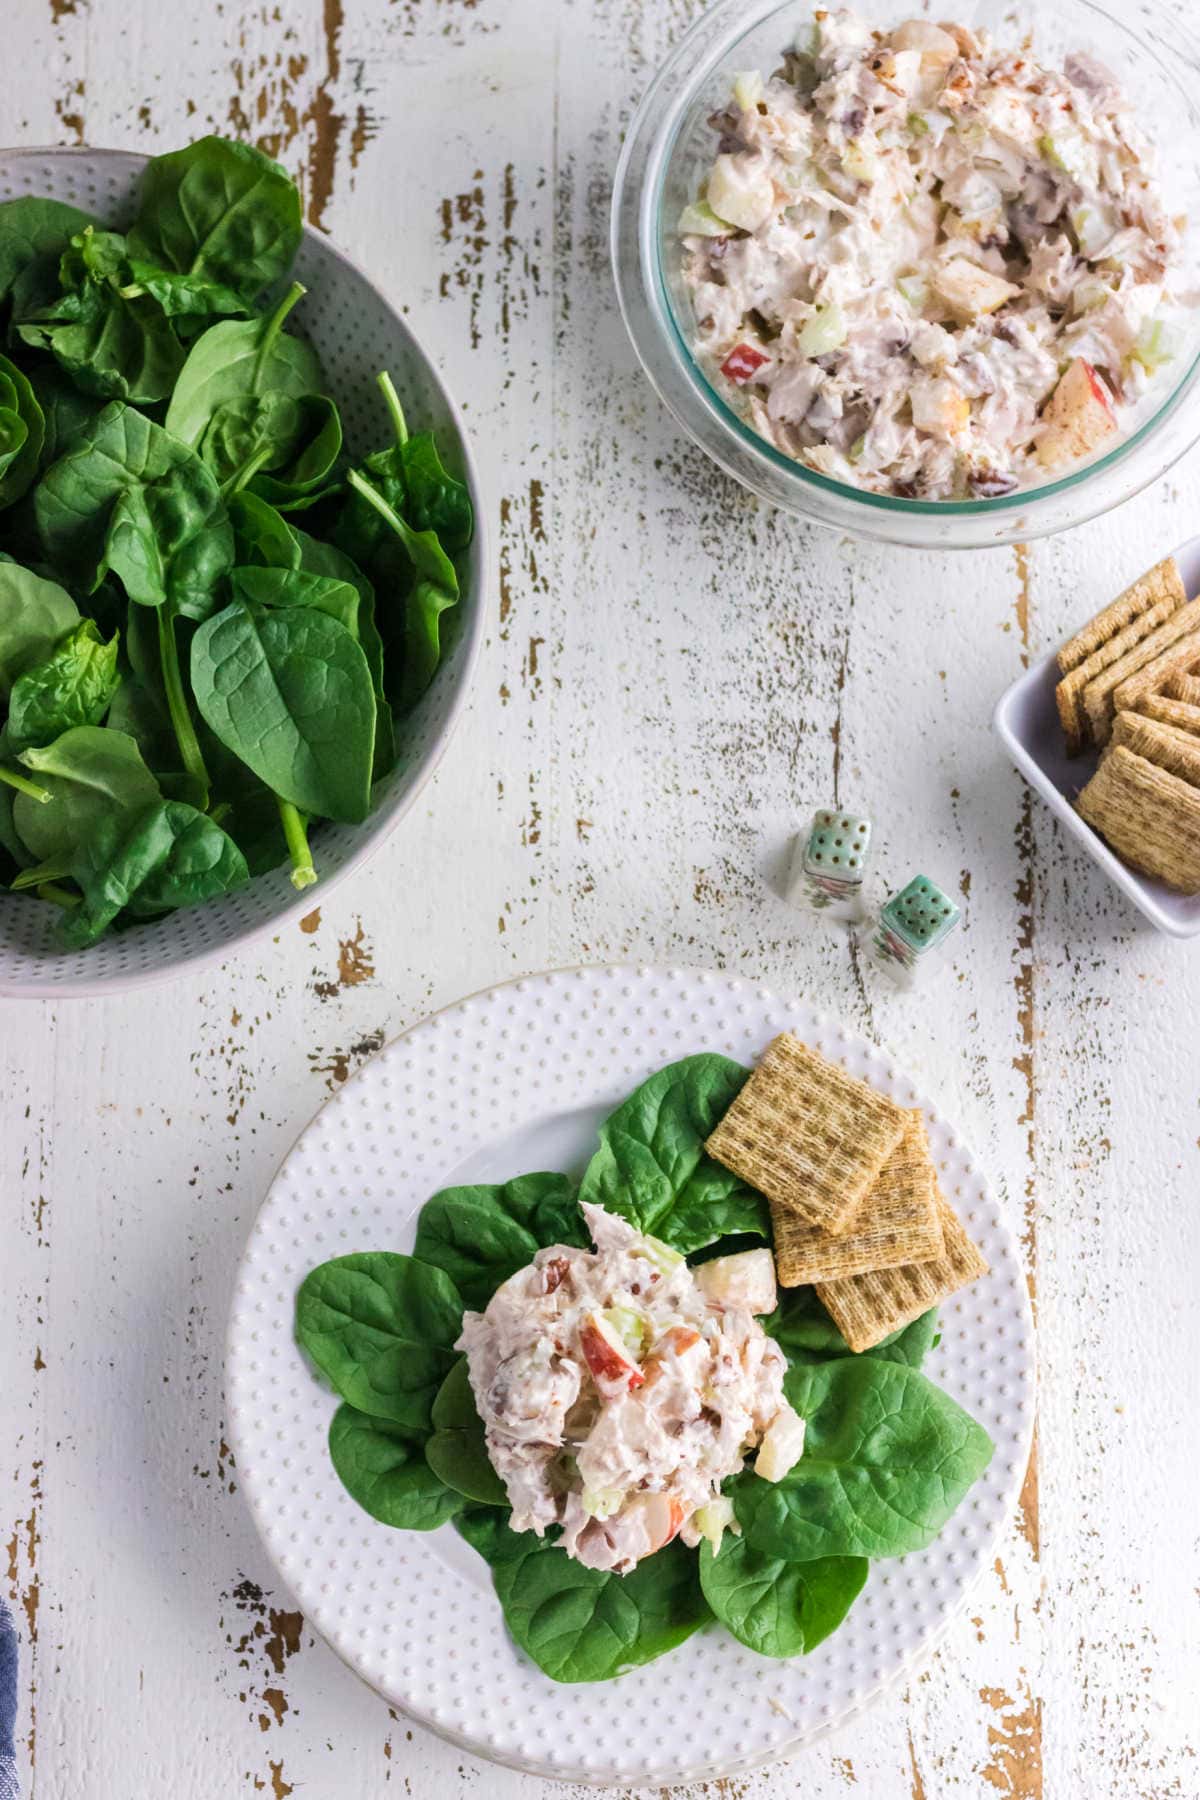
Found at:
[1156, 345]
[602, 1503]
[918, 125]
[914, 289]
[856, 449]
[824, 332]
[715, 1519]
[748, 89]
[1092, 230]
[629, 1326]
[859, 162]
[664, 1258]
[699, 220]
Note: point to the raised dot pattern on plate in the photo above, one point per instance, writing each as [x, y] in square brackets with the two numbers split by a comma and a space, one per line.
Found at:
[356, 333]
[414, 1614]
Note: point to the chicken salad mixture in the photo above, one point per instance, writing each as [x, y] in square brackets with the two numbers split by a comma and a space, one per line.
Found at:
[929, 266]
[619, 1387]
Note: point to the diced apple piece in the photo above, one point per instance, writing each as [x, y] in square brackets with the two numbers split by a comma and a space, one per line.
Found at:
[939, 407]
[740, 190]
[969, 290]
[661, 1515]
[1078, 416]
[714, 1520]
[606, 1355]
[782, 1444]
[746, 1280]
[920, 34]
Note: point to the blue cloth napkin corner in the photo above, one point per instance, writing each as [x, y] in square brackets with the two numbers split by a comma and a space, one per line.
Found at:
[8, 1705]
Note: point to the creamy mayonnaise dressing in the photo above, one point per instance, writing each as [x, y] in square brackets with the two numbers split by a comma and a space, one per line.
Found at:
[928, 266]
[619, 1388]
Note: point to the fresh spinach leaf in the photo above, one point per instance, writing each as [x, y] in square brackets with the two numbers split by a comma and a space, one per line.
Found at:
[290, 693]
[652, 1166]
[239, 360]
[887, 1458]
[166, 856]
[67, 413]
[423, 609]
[457, 1450]
[284, 446]
[385, 1470]
[805, 1332]
[74, 685]
[381, 1327]
[580, 1624]
[775, 1607]
[219, 213]
[22, 433]
[436, 501]
[34, 231]
[424, 553]
[130, 496]
[107, 342]
[296, 587]
[89, 773]
[34, 615]
[481, 1235]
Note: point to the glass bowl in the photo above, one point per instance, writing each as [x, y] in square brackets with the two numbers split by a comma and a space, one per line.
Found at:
[669, 148]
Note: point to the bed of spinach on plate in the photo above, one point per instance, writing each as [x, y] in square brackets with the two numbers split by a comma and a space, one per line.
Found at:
[210, 616]
[887, 1457]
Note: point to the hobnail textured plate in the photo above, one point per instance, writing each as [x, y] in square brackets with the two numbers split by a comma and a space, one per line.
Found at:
[513, 1080]
[356, 332]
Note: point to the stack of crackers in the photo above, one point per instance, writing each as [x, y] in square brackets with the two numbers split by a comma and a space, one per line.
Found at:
[1130, 687]
[853, 1192]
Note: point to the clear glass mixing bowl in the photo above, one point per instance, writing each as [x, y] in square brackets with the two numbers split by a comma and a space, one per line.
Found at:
[670, 147]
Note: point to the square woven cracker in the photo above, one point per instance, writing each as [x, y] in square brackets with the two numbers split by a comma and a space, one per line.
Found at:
[1171, 712]
[1162, 582]
[1150, 817]
[868, 1308]
[1153, 600]
[897, 1222]
[807, 1135]
[1174, 645]
[1183, 686]
[1170, 749]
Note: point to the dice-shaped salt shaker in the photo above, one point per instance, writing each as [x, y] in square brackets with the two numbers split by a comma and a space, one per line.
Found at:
[828, 865]
[911, 929]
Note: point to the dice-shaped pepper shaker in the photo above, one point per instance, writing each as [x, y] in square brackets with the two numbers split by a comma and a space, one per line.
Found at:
[828, 865]
[910, 930]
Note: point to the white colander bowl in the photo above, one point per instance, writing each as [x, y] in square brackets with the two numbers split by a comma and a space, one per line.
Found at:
[356, 332]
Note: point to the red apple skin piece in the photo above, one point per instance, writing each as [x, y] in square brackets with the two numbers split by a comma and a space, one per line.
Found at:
[742, 362]
[606, 1356]
[664, 1516]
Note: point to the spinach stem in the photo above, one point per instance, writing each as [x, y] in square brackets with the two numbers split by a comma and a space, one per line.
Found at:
[181, 718]
[392, 402]
[362, 486]
[61, 896]
[52, 870]
[271, 331]
[245, 475]
[294, 831]
[24, 786]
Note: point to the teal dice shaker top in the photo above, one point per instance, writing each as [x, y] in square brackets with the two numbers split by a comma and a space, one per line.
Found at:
[838, 845]
[920, 914]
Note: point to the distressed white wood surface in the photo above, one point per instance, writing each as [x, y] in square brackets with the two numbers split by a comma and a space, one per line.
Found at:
[674, 675]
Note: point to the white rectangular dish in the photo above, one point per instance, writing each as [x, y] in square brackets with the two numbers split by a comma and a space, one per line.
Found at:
[1026, 722]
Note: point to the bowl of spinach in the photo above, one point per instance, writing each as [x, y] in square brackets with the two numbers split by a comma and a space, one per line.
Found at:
[241, 569]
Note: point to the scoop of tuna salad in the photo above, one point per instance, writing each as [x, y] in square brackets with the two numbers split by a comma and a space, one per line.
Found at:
[928, 266]
[619, 1388]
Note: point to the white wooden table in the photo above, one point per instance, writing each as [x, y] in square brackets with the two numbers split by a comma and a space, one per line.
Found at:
[673, 676]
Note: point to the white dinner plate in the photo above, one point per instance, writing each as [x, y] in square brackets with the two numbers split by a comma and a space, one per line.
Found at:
[507, 1082]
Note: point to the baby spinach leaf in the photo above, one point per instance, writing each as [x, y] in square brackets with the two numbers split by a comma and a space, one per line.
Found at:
[805, 1332]
[887, 1458]
[482, 1235]
[108, 342]
[580, 1624]
[775, 1607]
[422, 549]
[290, 693]
[170, 541]
[238, 360]
[385, 1470]
[263, 538]
[221, 213]
[34, 615]
[652, 1166]
[66, 412]
[74, 685]
[381, 1327]
[26, 433]
[435, 500]
[457, 1450]
[297, 587]
[166, 856]
[423, 609]
[34, 230]
[282, 445]
[89, 772]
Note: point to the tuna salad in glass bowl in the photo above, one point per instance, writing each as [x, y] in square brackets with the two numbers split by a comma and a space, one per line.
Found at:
[932, 282]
